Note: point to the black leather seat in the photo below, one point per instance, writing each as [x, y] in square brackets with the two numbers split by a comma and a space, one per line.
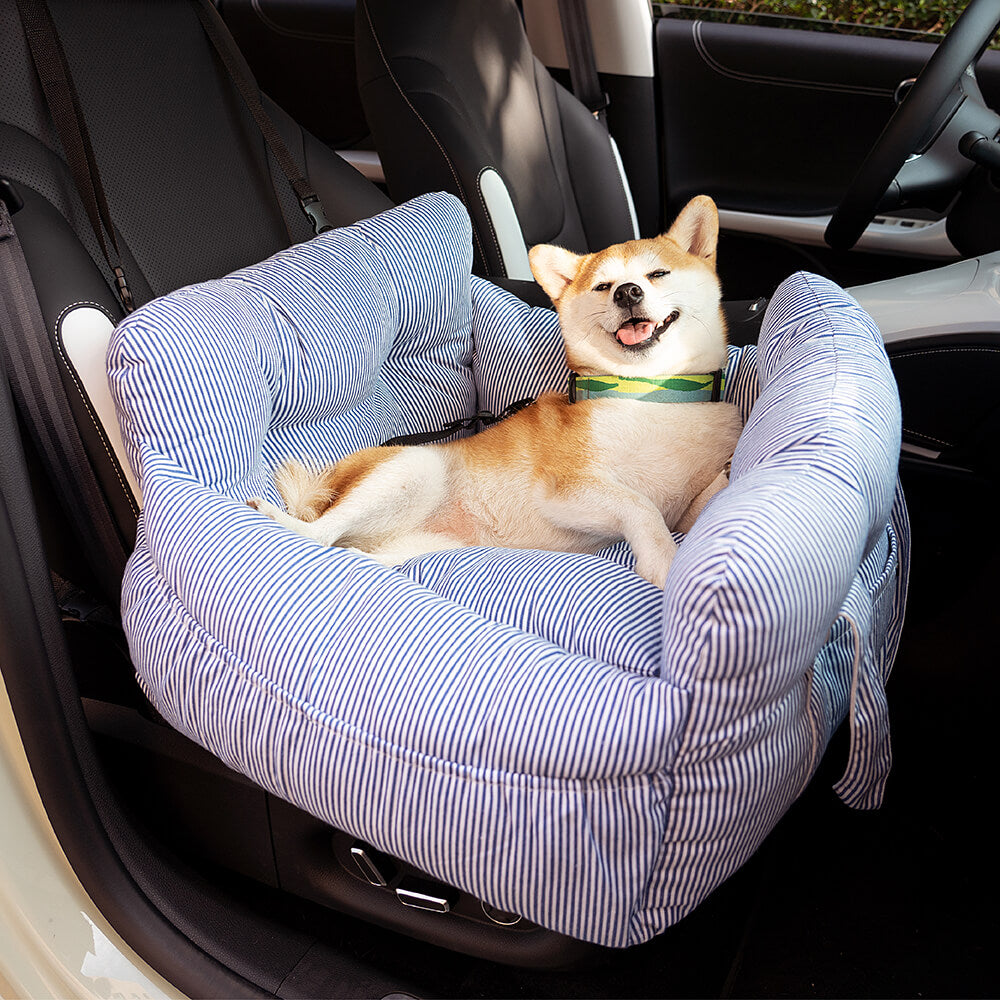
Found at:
[192, 189]
[194, 194]
[457, 101]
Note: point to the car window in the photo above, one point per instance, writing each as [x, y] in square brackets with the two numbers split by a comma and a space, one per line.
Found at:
[911, 18]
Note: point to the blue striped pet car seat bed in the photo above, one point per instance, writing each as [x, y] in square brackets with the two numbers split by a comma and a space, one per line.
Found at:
[544, 730]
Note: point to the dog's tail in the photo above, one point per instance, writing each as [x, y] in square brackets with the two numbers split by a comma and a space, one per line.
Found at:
[307, 492]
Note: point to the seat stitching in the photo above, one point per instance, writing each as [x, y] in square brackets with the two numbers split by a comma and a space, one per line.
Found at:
[926, 437]
[489, 218]
[126, 489]
[779, 81]
[941, 350]
[430, 131]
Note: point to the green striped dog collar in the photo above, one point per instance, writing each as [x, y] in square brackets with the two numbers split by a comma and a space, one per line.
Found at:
[665, 389]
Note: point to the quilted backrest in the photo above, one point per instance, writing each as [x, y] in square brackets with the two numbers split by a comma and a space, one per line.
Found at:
[330, 346]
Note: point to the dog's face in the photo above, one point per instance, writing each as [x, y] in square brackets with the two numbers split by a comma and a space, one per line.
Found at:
[645, 307]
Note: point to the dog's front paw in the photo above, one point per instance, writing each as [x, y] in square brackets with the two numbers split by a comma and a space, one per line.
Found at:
[654, 566]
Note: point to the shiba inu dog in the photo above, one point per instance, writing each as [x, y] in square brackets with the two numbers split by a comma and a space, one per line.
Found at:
[626, 455]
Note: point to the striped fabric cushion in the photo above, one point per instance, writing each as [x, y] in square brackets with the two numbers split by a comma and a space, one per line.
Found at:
[545, 730]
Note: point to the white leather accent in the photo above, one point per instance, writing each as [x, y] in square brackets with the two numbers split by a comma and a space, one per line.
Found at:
[626, 186]
[85, 332]
[621, 31]
[915, 449]
[886, 234]
[500, 208]
[365, 161]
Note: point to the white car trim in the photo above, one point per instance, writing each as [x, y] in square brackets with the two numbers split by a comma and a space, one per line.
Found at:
[951, 301]
[503, 218]
[626, 187]
[885, 234]
[366, 162]
[622, 34]
[55, 941]
[959, 299]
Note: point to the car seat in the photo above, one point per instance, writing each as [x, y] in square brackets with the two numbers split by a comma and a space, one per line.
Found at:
[193, 188]
[457, 101]
[195, 195]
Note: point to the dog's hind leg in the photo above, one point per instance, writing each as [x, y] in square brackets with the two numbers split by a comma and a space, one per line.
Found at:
[686, 523]
[417, 543]
[394, 498]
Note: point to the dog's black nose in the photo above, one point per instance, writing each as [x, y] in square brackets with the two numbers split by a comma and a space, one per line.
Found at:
[628, 294]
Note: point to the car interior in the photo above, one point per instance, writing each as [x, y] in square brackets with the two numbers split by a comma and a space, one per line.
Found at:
[828, 152]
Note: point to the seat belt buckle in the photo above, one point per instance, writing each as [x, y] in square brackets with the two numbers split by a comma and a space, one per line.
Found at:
[313, 208]
[601, 106]
[124, 293]
[9, 196]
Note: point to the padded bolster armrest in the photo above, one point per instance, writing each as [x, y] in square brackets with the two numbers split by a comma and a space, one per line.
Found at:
[769, 563]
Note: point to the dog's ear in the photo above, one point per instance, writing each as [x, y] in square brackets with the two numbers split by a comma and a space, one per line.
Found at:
[554, 268]
[696, 229]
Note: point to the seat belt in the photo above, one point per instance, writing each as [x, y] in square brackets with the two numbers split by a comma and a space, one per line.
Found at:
[483, 417]
[67, 116]
[27, 357]
[587, 85]
[580, 55]
[232, 59]
[26, 353]
[64, 107]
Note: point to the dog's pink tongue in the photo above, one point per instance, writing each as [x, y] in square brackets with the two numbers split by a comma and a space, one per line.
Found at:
[636, 333]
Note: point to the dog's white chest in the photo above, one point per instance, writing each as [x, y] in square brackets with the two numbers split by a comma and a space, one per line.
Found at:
[669, 452]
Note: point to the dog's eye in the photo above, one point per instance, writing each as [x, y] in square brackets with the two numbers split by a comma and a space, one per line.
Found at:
[653, 275]
[602, 286]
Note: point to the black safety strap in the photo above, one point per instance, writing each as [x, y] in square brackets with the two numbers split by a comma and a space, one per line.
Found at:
[483, 417]
[27, 356]
[580, 54]
[64, 107]
[26, 352]
[232, 59]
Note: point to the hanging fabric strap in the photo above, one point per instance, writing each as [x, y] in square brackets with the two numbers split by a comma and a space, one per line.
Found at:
[218, 35]
[64, 107]
[26, 354]
[483, 418]
[580, 54]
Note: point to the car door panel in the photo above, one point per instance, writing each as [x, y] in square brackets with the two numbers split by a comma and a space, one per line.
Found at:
[776, 120]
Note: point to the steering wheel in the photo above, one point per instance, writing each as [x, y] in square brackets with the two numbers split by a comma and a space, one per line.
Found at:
[943, 104]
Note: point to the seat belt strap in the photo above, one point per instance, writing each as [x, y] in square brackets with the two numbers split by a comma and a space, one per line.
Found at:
[580, 55]
[64, 107]
[26, 354]
[232, 59]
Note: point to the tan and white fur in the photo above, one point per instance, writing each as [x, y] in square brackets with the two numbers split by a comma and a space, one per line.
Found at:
[570, 477]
